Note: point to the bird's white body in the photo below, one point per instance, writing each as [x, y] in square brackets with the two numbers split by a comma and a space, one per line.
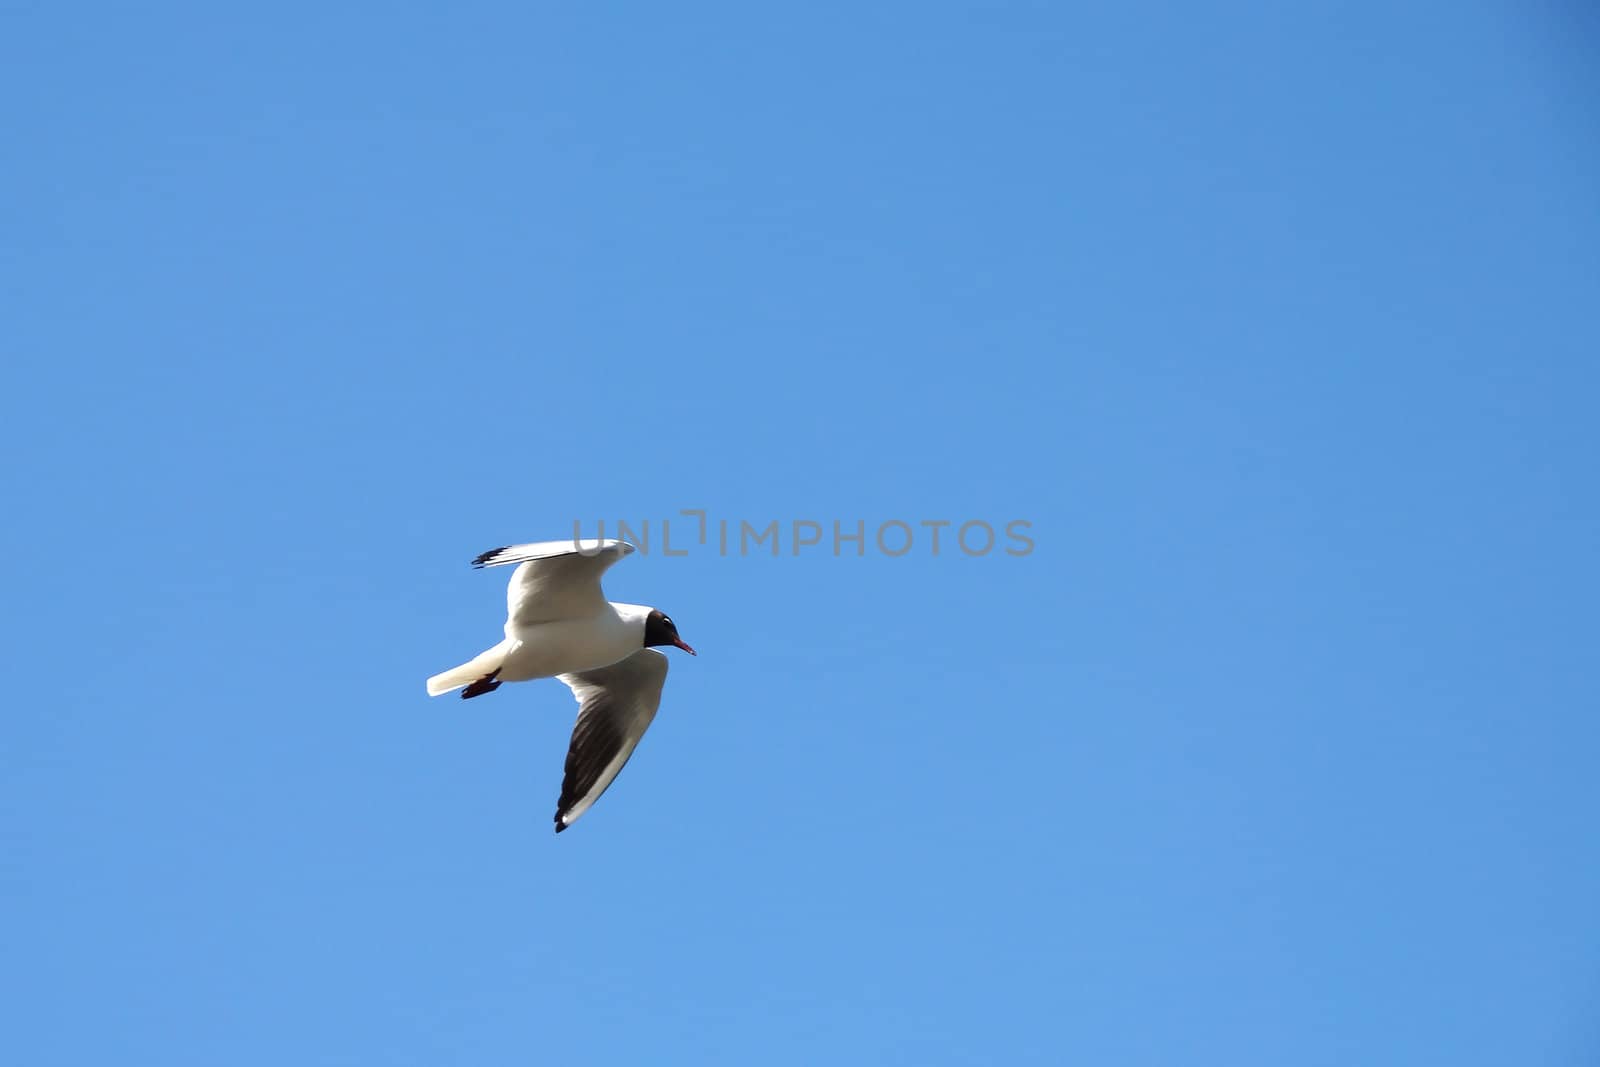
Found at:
[569, 646]
[548, 649]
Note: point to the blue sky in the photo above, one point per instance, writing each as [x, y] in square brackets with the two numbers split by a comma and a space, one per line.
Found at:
[1276, 322]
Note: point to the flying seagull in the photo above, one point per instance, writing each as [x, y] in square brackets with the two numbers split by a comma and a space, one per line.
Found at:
[560, 625]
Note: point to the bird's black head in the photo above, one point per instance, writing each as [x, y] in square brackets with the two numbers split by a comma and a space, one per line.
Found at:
[659, 630]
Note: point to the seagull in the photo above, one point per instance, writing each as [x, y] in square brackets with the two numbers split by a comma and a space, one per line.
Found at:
[560, 625]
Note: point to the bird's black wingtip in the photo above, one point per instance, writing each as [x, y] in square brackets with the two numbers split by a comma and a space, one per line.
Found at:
[483, 558]
[560, 826]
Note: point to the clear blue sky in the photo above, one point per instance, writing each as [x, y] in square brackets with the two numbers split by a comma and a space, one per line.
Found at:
[1278, 323]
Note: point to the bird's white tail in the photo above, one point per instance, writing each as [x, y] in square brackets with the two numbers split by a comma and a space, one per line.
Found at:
[482, 664]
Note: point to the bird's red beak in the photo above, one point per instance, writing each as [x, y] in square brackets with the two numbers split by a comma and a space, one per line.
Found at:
[680, 643]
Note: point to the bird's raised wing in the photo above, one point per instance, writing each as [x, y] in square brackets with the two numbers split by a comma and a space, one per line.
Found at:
[554, 579]
[615, 707]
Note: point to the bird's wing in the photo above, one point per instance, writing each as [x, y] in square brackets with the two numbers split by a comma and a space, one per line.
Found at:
[554, 579]
[615, 706]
